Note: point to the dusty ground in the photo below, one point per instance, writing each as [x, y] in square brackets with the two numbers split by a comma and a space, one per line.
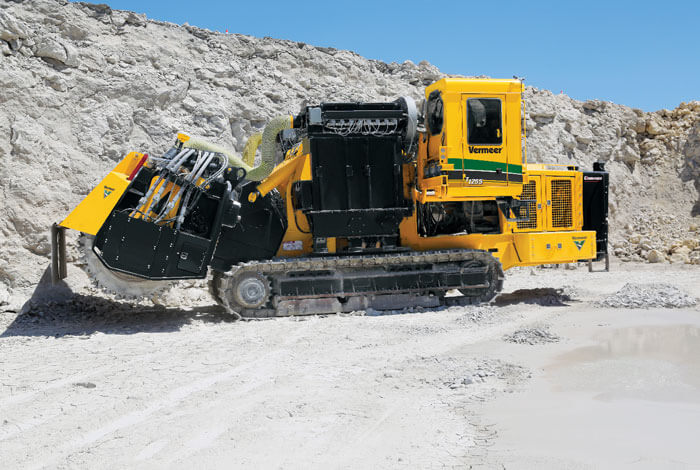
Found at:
[534, 381]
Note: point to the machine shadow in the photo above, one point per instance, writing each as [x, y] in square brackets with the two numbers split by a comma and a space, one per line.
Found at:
[55, 310]
[543, 296]
[84, 315]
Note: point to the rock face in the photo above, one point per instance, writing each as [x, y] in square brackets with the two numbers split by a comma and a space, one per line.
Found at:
[81, 85]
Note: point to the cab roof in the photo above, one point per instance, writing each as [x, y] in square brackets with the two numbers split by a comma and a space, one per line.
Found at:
[476, 85]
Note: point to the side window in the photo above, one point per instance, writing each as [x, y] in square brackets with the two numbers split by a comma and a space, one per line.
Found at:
[484, 125]
[434, 113]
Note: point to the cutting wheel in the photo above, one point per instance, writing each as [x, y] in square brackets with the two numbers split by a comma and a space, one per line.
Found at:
[121, 285]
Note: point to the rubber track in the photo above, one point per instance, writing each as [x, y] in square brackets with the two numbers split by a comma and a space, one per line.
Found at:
[221, 282]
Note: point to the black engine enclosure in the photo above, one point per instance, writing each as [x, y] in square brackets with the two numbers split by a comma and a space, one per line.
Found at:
[356, 187]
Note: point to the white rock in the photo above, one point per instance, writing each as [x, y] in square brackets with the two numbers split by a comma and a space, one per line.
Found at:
[691, 243]
[679, 258]
[581, 133]
[50, 48]
[11, 28]
[628, 155]
[655, 256]
[682, 250]
[594, 105]
[567, 140]
[654, 127]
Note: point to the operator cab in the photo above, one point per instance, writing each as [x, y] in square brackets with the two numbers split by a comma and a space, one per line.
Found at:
[471, 148]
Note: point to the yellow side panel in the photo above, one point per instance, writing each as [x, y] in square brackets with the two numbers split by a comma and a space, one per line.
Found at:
[128, 163]
[501, 245]
[92, 211]
[557, 247]
[297, 239]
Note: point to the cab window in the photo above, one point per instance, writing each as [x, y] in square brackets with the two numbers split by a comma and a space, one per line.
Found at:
[484, 121]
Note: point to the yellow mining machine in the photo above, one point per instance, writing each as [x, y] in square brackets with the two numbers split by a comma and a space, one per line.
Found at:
[355, 206]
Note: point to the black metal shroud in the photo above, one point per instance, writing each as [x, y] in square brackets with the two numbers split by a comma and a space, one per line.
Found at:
[159, 252]
[595, 207]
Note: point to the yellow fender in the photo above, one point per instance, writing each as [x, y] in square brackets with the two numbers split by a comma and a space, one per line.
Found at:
[92, 211]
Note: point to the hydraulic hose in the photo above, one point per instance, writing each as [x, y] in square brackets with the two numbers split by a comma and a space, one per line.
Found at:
[267, 149]
[199, 144]
[203, 160]
[144, 204]
[251, 146]
[266, 141]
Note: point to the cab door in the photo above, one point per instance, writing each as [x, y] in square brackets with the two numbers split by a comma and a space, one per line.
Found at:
[484, 146]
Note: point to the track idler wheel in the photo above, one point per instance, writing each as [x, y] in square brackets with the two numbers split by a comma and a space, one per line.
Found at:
[244, 291]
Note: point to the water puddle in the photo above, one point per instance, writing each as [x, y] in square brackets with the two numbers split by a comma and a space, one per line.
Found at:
[657, 363]
[630, 398]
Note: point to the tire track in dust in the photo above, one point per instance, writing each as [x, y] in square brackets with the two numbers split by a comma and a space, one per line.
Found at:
[344, 453]
[24, 426]
[151, 450]
[173, 398]
[81, 376]
[25, 396]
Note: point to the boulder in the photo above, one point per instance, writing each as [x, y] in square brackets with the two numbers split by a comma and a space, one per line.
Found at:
[581, 132]
[567, 140]
[11, 28]
[682, 249]
[691, 243]
[654, 127]
[594, 105]
[655, 256]
[628, 155]
[50, 48]
[679, 258]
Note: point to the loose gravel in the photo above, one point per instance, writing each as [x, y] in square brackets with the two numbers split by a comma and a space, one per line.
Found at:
[653, 295]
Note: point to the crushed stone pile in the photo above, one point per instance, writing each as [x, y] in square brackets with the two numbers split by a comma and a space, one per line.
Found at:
[475, 314]
[487, 369]
[83, 84]
[532, 335]
[653, 295]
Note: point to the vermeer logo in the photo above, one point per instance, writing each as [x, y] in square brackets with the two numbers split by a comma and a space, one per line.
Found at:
[473, 149]
[579, 242]
[107, 192]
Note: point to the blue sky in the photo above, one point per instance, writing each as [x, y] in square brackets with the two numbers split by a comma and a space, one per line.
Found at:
[644, 54]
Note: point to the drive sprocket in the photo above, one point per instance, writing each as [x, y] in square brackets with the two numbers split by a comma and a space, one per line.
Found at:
[241, 292]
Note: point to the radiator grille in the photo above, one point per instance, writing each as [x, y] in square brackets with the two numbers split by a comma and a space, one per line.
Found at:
[561, 204]
[529, 192]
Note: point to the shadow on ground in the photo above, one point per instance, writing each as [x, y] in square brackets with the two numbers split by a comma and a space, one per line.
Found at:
[54, 310]
[85, 315]
[544, 296]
